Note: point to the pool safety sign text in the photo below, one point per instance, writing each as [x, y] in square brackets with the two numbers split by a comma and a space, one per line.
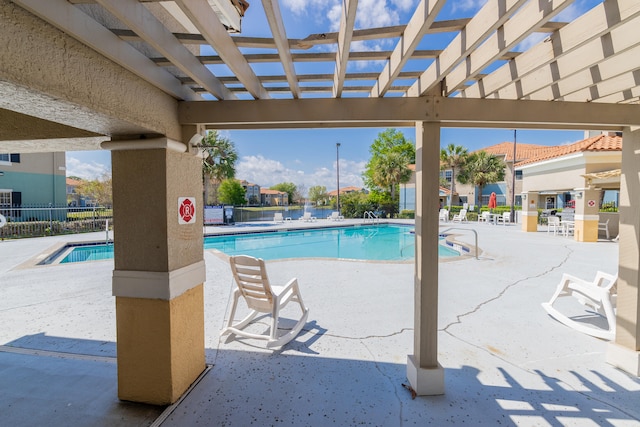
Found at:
[186, 210]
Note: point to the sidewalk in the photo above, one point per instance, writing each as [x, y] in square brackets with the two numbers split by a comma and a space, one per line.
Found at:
[506, 362]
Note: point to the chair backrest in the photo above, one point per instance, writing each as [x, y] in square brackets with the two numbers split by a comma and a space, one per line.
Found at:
[306, 215]
[553, 220]
[486, 214]
[250, 275]
[277, 216]
[463, 213]
[606, 281]
[333, 214]
[506, 216]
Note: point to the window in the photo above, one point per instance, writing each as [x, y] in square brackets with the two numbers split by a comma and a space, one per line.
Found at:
[4, 158]
[5, 200]
[446, 175]
[518, 175]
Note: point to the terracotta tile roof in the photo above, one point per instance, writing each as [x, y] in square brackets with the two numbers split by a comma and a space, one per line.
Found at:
[523, 151]
[597, 143]
[73, 182]
[268, 191]
[344, 190]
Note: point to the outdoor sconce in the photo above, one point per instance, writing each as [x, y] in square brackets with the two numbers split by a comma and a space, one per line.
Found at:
[196, 142]
[524, 196]
[579, 195]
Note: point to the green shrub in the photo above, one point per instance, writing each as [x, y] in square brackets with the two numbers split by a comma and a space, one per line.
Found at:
[407, 214]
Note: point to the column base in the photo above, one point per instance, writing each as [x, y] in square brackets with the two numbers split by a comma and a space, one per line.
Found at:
[624, 358]
[425, 382]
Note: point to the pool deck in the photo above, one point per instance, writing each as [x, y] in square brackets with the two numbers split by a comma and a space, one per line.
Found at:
[506, 361]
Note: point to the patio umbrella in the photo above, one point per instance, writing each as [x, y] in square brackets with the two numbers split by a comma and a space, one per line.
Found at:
[492, 201]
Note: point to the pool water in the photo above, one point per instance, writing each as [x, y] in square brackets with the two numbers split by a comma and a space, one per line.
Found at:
[371, 243]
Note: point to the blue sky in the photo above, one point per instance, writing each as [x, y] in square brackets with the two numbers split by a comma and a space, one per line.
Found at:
[308, 157]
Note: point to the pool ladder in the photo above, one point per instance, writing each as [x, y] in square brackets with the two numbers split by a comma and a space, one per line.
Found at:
[370, 216]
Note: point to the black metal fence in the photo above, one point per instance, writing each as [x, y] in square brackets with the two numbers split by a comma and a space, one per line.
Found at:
[36, 221]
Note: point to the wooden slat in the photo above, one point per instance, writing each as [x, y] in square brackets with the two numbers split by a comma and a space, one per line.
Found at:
[207, 22]
[424, 15]
[274, 17]
[347, 21]
[140, 20]
[492, 15]
[600, 20]
[530, 17]
[77, 24]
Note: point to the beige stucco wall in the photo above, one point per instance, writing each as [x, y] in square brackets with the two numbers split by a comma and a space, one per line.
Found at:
[48, 74]
[146, 187]
[46, 163]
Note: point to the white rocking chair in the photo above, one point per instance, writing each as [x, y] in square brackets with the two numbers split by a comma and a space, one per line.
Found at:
[600, 295]
[250, 275]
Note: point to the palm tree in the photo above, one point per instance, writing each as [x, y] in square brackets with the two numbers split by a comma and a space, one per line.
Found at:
[453, 157]
[220, 162]
[481, 169]
[390, 170]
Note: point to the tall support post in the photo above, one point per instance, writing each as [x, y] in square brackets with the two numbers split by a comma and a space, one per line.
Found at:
[624, 352]
[530, 211]
[424, 373]
[159, 269]
[586, 216]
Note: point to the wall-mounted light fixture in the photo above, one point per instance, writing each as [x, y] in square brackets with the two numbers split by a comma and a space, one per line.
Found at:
[196, 142]
[524, 196]
[579, 195]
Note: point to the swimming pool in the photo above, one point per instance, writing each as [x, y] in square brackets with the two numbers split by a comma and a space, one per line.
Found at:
[385, 242]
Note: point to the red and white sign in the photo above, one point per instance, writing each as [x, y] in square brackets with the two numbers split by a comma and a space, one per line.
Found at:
[591, 203]
[186, 210]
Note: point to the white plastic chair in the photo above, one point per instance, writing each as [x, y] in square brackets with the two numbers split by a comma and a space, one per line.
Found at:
[604, 226]
[484, 217]
[443, 215]
[335, 216]
[306, 217]
[460, 217]
[250, 275]
[553, 223]
[277, 217]
[599, 294]
[504, 218]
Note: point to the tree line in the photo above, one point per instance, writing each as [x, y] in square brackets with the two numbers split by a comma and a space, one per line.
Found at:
[389, 166]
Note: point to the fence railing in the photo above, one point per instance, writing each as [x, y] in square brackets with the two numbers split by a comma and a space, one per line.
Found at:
[35, 221]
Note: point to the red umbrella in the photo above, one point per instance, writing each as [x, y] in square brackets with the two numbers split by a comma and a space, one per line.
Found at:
[492, 201]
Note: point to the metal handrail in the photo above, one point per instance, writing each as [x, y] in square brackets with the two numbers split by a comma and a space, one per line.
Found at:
[464, 229]
[370, 215]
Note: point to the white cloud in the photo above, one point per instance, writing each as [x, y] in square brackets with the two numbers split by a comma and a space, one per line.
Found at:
[404, 5]
[267, 172]
[375, 13]
[90, 170]
[467, 5]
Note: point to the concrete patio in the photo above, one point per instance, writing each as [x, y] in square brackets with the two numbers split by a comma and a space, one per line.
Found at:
[506, 361]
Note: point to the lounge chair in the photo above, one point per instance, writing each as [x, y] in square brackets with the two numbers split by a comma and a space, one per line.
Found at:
[250, 275]
[460, 217]
[306, 217]
[599, 294]
[443, 215]
[335, 216]
[277, 217]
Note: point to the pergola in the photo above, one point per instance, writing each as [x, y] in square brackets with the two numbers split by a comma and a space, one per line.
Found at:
[127, 76]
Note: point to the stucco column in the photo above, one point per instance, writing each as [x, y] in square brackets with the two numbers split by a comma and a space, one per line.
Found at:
[530, 211]
[624, 352]
[586, 216]
[159, 269]
[424, 373]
